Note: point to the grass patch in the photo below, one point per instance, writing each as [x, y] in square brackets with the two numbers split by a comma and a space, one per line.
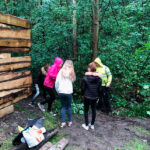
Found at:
[138, 130]
[135, 145]
[17, 107]
[144, 131]
[50, 123]
[6, 145]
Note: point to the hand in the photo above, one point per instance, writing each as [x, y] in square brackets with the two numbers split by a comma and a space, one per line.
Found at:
[108, 85]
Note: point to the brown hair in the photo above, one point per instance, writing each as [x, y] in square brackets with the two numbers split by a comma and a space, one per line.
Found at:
[92, 67]
[46, 67]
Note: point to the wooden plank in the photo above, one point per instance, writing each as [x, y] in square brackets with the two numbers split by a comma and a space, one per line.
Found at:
[19, 34]
[4, 26]
[11, 95]
[5, 55]
[7, 76]
[13, 63]
[6, 111]
[12, 20]
[17, 83]
[46, 146]
[15, 100]
[14, 50]
[60, 145]
[15, 43]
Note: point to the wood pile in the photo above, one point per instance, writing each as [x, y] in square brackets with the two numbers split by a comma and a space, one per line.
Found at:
[15, 79]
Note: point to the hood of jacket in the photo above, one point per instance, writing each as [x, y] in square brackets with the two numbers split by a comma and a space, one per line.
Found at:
[58, 61]
[98, 61]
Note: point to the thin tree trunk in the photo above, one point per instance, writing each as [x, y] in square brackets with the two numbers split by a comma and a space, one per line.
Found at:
[95, 28]
[75, 47]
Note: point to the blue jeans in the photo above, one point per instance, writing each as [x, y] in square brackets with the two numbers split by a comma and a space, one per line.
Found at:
[66, 100]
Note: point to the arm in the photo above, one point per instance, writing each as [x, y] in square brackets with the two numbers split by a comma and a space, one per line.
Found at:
[109, 76]
[57, 81]
[93, 74]
[52, 73]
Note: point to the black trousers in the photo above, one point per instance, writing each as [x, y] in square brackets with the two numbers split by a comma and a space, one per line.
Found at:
[104, 102]
[87, 104]
[50, 99]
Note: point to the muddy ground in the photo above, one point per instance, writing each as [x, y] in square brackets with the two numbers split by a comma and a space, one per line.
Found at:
[110, 131]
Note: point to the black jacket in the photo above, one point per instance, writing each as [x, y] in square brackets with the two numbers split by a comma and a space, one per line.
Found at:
[91, 87]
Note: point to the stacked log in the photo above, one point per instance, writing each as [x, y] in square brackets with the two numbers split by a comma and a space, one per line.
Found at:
[14, 84]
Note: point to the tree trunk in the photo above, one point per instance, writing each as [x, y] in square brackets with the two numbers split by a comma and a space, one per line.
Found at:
[75, 47]
[95, 28]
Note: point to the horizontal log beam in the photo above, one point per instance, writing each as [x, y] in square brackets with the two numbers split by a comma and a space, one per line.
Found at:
[14, 97]
[5, 55]
[13, 63]
[15, 43]
[7, 110]
[18, 34]
[12, 20]
[8, 76]
[16, 84]
[13, 50]
[4, 26]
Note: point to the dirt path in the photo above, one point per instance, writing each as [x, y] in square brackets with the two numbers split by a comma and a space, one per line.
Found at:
[110, 132]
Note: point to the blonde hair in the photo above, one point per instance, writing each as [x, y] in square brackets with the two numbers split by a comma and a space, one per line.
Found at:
[68, 70]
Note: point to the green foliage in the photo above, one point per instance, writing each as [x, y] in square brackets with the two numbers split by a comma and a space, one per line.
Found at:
[78, 108]
[124, 43]
[135, 145]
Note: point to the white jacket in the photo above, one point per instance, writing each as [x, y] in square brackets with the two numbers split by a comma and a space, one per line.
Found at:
[63, 85]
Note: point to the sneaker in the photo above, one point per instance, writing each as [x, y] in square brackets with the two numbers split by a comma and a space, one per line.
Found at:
[70, 124]
[92, 127]
[63, 125]
[85, 127]
[51, 113]
[31, 104]
[42, 108]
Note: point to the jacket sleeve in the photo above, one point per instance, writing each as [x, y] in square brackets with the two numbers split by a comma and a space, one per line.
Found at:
[51, 74]
[57, 82]
[109, 75]
[83, 87]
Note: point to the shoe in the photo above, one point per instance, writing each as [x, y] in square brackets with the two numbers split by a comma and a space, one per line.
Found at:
[51, 113]
[31, 104]
[69, 124]
[85, 127]
[42, 108]
[63, 124]
[92, 127]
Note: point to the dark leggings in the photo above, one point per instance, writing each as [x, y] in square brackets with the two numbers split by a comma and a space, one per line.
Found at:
[104, 102]
[87, 103]
[50, 99]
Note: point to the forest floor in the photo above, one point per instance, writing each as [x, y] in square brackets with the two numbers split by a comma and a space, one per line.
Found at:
[111, 132]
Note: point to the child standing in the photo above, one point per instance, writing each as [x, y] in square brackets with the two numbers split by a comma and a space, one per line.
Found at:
[64, 88]
[91, 86]
[39, 84]
[49, 84]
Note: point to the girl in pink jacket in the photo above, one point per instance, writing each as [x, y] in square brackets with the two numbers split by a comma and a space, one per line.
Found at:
[49, 83]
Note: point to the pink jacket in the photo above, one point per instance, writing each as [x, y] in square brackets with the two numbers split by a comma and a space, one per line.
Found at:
[52, 73]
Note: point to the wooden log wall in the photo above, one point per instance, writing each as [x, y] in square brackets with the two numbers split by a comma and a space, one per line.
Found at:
[15, 85]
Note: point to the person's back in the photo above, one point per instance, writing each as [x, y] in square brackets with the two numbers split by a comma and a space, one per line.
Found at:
[91, 87]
